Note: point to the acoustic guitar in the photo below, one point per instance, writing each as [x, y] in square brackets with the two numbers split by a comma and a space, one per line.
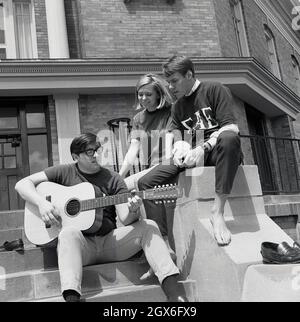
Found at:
[79, 208]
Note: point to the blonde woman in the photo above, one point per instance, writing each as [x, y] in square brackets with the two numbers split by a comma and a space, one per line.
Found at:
[149, 138]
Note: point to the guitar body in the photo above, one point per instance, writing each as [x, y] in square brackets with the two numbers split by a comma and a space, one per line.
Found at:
[88, 221]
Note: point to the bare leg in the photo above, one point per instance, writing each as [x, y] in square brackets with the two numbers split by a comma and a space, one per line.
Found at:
[221, 232]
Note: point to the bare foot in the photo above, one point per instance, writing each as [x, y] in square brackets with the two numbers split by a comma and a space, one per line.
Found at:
[220, 230]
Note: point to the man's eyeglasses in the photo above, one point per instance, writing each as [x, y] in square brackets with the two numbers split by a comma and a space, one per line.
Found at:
[91, 152]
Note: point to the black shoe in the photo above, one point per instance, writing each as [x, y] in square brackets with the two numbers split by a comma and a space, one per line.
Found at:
[174, 291]
[13, 245]
[179, 298]
[296, 245]
[71, 296]
[280, 253]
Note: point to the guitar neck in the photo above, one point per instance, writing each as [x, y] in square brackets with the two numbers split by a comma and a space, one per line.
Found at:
[109, 200]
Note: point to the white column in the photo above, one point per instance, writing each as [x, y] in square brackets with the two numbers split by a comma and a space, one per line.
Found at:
[68, 124]
[57, 29]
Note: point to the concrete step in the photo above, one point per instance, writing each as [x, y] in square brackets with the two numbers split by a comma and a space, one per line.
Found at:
[199, 183]
[14, 233]
[276, 199]
[132, 293]
[32, 258]
[282, 209]
[272, 283]
[219, 271]
[11, 219]
[39, 284]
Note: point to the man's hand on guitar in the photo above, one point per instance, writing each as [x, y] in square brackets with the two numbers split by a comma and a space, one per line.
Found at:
[49, 213]
[134, 203]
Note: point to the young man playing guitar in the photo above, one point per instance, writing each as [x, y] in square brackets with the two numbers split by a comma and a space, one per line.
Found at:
[76, 248]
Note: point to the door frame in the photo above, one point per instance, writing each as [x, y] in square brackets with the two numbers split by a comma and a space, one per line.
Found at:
[23, 132]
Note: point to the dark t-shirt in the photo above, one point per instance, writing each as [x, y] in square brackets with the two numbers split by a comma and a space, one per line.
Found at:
[108, 182]
[150, 128]
[207, 109]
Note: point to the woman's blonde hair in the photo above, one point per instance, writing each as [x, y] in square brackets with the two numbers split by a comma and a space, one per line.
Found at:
[161, 87]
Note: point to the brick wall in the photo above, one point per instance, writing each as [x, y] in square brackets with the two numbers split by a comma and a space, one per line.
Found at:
[95, 111]
[228, 41]
[254, 21]
[146, 28]
[41, 28]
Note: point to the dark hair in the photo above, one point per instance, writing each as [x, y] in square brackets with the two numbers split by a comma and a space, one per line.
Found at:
[80, 143]
[180, 64]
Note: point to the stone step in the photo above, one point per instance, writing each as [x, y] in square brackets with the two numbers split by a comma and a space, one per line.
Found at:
[133, 293]
[30, 259]
[39, 284]
[283, 209]
[220, 270]
[235, 206]
[199, 183]
[14, 233]
[11, 219]
[276, 199]
[272, 283]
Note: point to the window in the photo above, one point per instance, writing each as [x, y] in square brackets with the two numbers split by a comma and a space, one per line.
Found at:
[17, 29]
[296, 69]
[272, 52]
[23, 35]
[2, 32]
[239, 27]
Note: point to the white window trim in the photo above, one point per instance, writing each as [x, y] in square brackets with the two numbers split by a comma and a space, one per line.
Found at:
[242, 35]
[272, 51]
[11, 51]
[296, 68]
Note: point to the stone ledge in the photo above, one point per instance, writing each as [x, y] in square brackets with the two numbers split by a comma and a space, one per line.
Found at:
[135, 293]
[38, 284]
[283, 209]
[199, 183]
[272, 283]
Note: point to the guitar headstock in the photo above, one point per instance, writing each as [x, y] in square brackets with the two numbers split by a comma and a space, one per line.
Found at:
[163, 194]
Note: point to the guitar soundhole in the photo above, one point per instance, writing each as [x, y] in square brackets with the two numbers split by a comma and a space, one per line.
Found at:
[73, 207]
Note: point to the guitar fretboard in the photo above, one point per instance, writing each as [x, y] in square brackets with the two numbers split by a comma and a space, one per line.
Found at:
[108, 200]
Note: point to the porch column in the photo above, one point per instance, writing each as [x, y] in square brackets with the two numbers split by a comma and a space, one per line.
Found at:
[57, 29]
[68, 124]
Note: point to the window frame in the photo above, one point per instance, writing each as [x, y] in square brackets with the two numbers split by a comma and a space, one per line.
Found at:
[272, 52]
[296, 70]
[10, 30]
[239, 27]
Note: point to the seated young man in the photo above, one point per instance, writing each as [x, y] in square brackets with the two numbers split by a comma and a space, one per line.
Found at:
[109, 244]
[205, 107]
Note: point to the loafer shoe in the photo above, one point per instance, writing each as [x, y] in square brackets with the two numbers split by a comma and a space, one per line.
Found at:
[13, 245]
[296, 245]
[279, 253]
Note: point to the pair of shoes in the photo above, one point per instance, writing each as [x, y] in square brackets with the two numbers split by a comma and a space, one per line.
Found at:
[13, 245]
[280, 253]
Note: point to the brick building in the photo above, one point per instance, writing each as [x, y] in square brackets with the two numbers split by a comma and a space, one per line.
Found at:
[69, 66]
